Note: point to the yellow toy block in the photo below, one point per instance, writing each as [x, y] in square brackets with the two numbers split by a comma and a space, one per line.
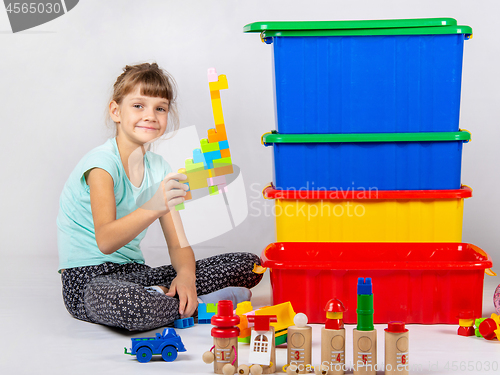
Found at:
[183, 170]
[242, 308]
[221, 84]
[284, 312]
[217, 110]
[225, 153]
[198, 184]
[198, 179]
[218, 134]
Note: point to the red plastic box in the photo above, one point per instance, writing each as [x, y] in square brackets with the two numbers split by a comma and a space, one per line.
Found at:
[425, 283]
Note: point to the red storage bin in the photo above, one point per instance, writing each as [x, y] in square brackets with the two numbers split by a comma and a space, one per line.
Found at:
[425, 283]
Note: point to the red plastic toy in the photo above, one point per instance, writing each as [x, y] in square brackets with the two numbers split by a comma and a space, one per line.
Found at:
[334, 314]
[466, 322]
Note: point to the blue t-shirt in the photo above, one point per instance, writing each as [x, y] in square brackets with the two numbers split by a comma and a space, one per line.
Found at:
[75, 225]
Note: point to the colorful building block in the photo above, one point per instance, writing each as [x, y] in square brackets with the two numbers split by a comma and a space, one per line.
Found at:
[245, 330]
[184, 323]
[199, 157]
[205, 312]
[191, 166]
[221, 84]
[209, 146]
[222, 162]
[217, 180]
[212, 75]
[218, 134]
[213, 159]
[220, 171]
[210, 157]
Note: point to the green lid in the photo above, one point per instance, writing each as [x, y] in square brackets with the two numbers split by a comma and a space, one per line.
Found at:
[417, 26]
[275, 137]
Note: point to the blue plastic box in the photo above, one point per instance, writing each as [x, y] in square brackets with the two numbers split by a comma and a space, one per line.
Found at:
[364, 161]
[367, 83]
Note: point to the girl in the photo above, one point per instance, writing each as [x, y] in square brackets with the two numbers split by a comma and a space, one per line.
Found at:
[101, 224]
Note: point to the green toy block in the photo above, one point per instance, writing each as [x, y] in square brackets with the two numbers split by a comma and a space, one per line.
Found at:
[222, 162]
[212, 308]
[193, 167]
[477, 322]
[244, 340]
[209, 147]
[213, 190]
[180, 206]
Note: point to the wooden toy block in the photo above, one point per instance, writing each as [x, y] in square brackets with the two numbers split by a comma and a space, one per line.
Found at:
[213, 190]
[209, 147]
[224, 144]
[218, 134]
[179, 207]
[199, 157]
[191, 166]
[221, 84]
[225, 153]
[220, 171]
[299, 349]
[396, 349]
[188, 196]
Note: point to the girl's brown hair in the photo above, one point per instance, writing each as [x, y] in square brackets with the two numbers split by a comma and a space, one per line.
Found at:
[154, 82]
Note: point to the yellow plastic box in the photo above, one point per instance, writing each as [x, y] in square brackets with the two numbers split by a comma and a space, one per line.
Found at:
[369, 216]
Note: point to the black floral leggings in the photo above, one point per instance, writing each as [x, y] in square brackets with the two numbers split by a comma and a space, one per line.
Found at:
[114, 294]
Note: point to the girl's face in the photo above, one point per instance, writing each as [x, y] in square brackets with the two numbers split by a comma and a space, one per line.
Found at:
[140, 119]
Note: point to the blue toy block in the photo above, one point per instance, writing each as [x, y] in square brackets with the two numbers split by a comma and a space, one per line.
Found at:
[199, 157]
[184, 323]
[210, 157]
[205, 313]
[223, 144]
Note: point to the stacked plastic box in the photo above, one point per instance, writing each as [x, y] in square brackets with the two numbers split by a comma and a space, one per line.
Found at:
[367, 164]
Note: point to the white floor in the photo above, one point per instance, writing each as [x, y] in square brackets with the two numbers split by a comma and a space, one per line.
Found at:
[38, 336]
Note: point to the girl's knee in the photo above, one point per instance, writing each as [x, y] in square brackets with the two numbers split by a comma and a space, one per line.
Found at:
[127, 305]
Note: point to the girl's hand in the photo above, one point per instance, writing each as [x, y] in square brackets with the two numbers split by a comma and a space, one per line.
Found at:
[184, 286]
[173, 190]
[170, 193]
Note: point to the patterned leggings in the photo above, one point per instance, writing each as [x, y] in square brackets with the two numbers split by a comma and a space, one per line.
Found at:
[114, 294]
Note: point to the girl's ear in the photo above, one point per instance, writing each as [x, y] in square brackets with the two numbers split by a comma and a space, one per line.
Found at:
[114, 111]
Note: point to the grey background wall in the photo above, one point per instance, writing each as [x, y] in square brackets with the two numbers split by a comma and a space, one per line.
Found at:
[55, 82]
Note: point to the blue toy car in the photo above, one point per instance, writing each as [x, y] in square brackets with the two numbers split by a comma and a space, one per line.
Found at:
[167, 344]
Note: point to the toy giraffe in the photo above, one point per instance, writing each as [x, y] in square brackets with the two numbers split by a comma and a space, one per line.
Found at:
[212, 161]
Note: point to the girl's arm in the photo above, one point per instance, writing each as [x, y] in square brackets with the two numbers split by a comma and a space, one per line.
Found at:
[182, 258]
[111, 234]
